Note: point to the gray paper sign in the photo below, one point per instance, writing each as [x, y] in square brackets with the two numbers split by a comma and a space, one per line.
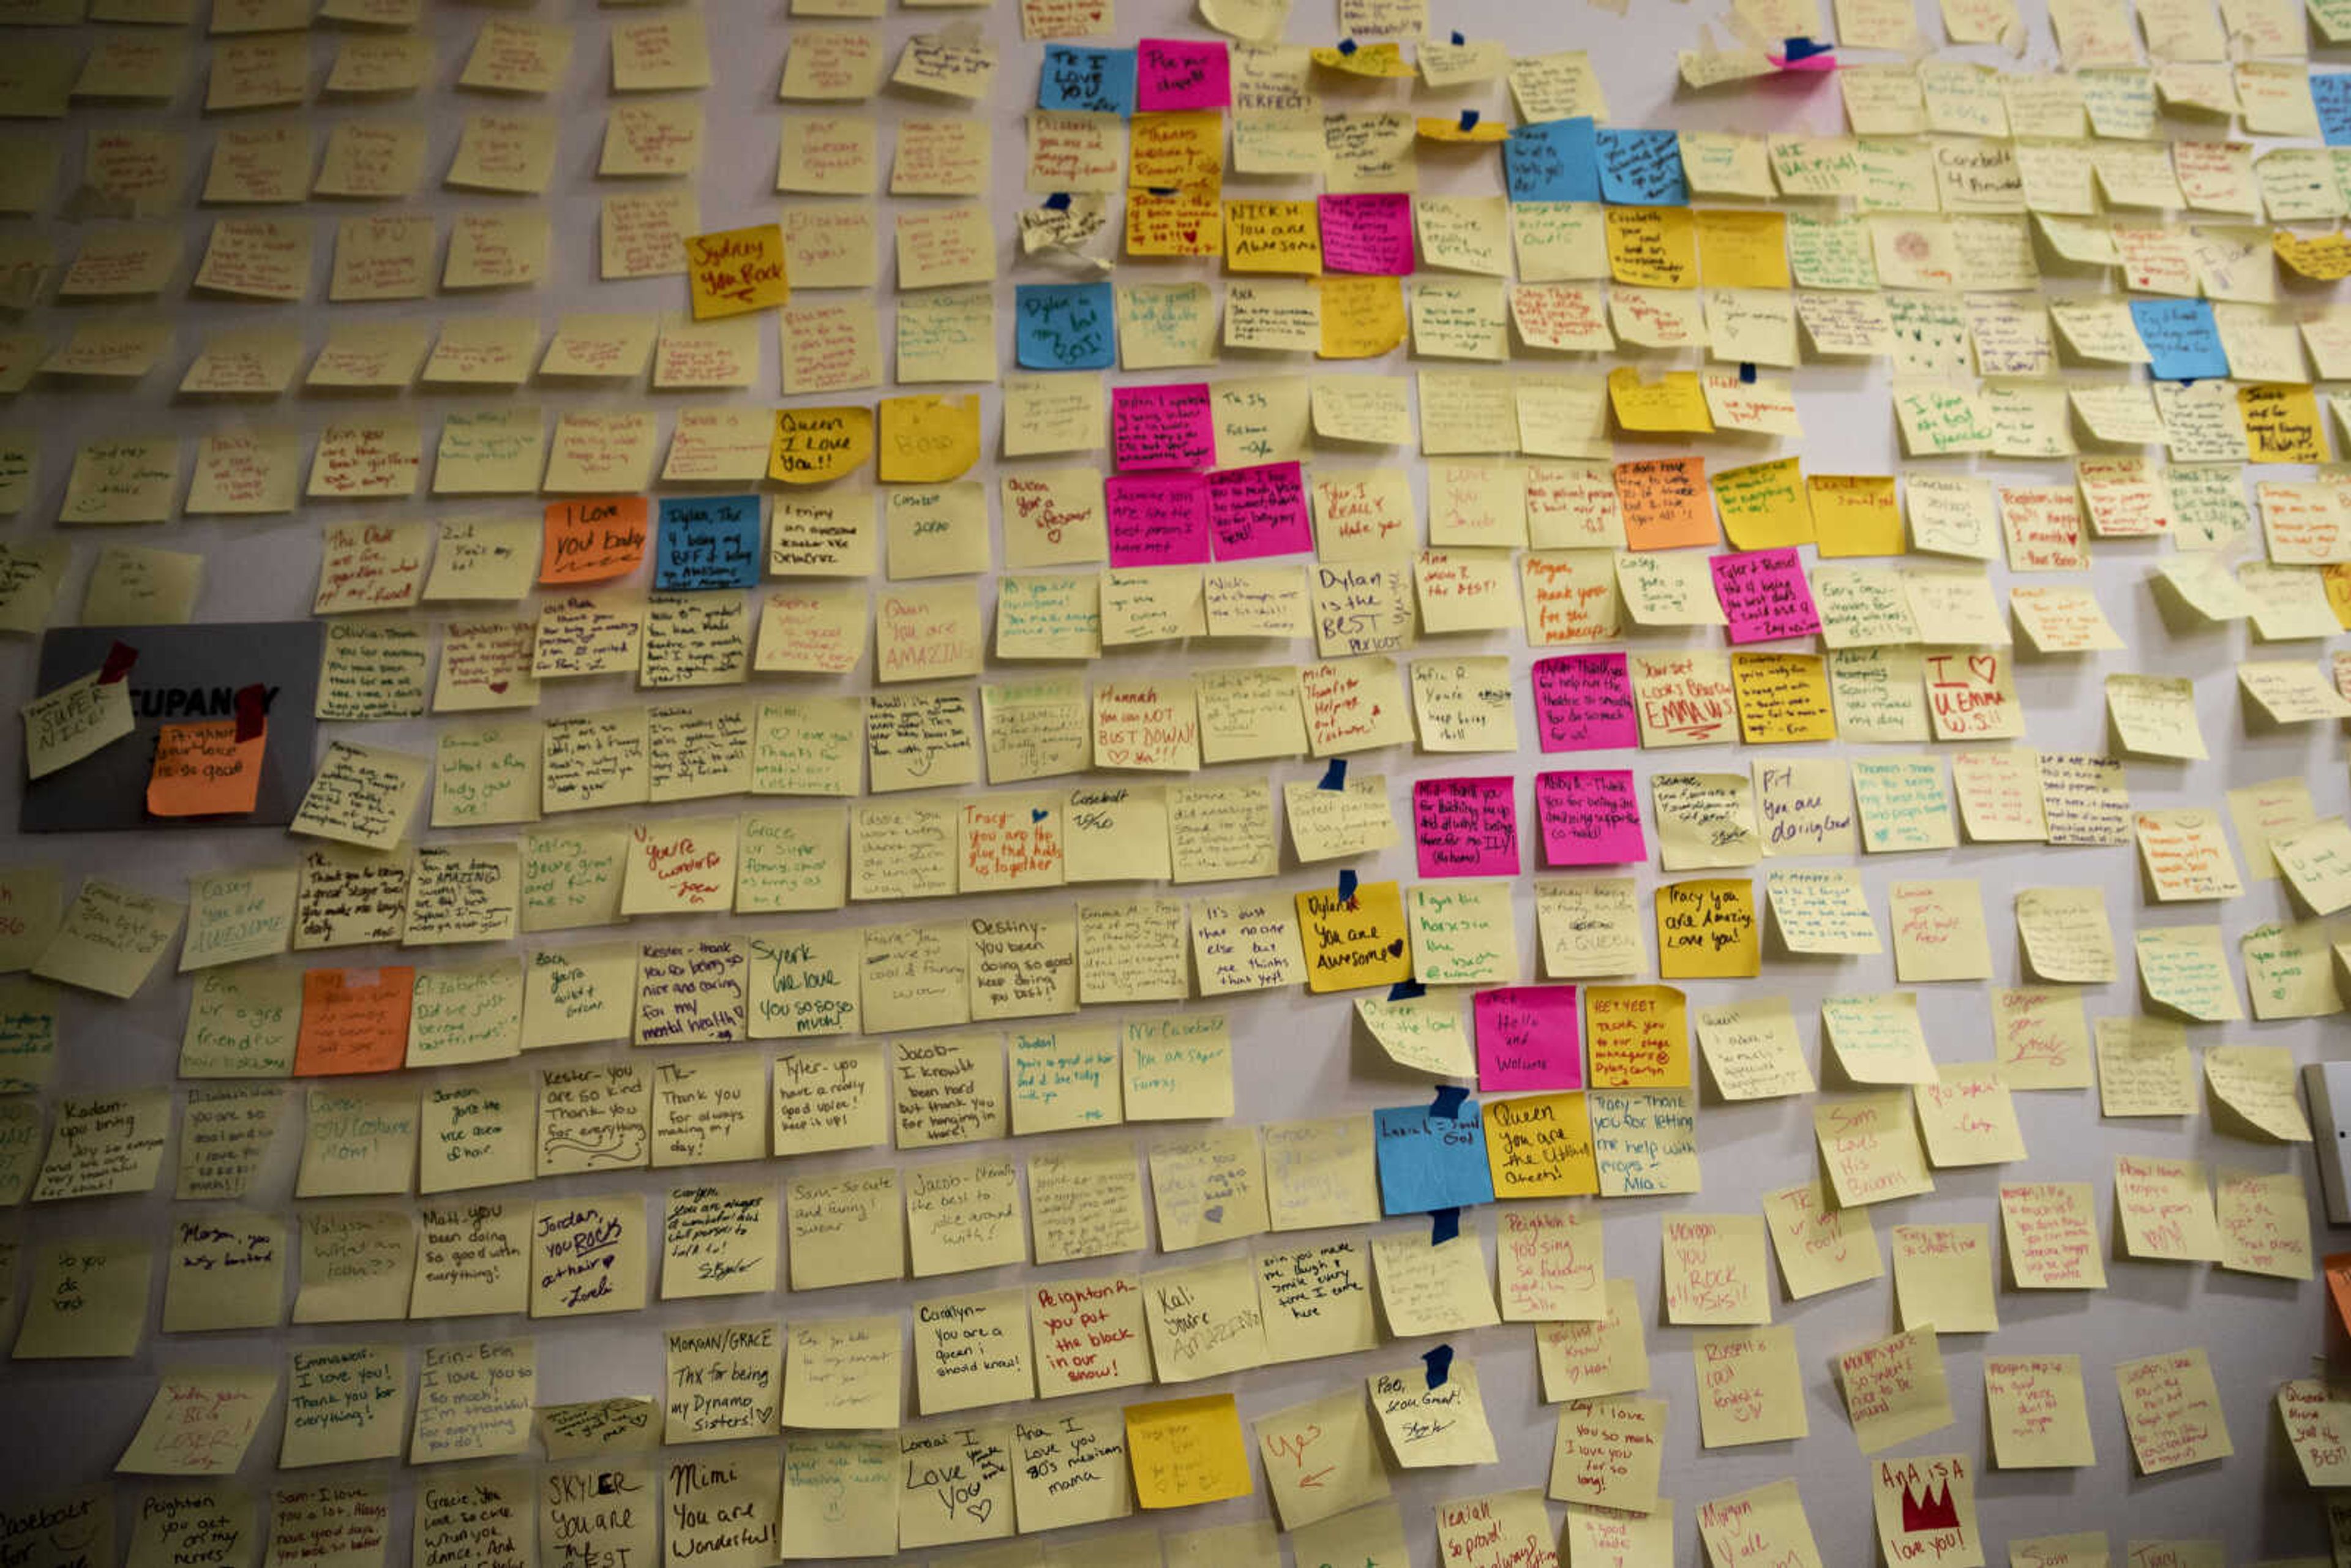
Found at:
[185, 675]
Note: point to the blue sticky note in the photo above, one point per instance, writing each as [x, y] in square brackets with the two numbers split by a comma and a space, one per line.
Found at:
[1428, 1161]
[707, 541]
[1641, 168]
[1552, 160]
[1090, 81]
[2183, 341]
[1065, 325]
[2330, 91]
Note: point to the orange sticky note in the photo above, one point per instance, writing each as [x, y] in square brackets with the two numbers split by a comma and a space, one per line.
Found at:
[354, 1020]
[204, 770]
[1665, 504]
[1187, 1451]
[737, 271]
[2338, 1285]
[593, 542]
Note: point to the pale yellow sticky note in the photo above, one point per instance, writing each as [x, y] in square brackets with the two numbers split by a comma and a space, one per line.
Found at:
[2051, 1231]
[1714, 1270]
[201, 1422]
[343, 1403]
[2264, 1219]
[1425, 1426]
[2165, 1209]
[2039, 1418]
[2172, 1410]
[1943, 1277]
[1895, 1390]
[1751, 1387]
[1820, 1246]
[1607, 1453]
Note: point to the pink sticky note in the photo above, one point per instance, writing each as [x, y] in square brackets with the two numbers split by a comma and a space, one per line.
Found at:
[1583, 702]
[1370, 232]
[1590, 816]
[1158, 519]
[1261, 511]
[1528, 1037]
[1467, 827]
[1765, 595]
[1163, 427]
[1170, 73]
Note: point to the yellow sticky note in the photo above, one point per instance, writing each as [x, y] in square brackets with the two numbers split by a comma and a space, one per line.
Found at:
[1676, 401]
[1362, 316]
[2172, 1410]
[1376, 60]
[1355, 942]
[72, 721]
[1742, 248]
[2282, 423]
[736, 271]
[1273, 237]
[927, 440]
[2038, 1416]
[1187, 1451]
[1430, 1423]
[1943, 1277]
[1926, 1506]
[1540, 1146]
[1896, 1389]
[1707, 929]
[1434, 128]
[200, 1423]
[1320, 1458]
[813, 446]
[1763, 505]
[1855, 514]
[1651, 247]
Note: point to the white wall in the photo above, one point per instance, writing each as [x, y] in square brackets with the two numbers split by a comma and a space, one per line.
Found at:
[62, 1423]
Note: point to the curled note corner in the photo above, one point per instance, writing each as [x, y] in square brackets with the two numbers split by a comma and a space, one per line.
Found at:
[1444, 1225]
[1439, 1361]
[252, 711]
[1347, 888]
[119, 660]
[1448, 1104]
[1335, 776]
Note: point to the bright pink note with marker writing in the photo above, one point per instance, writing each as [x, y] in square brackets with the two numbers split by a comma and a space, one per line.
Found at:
[1158, 519]
[1172, 73]
[1367, 234]
[1765, 595]
[1467, 827]
[1163, 427]
[1528, 1037]
[1583, 702]
[1258, 512]
[1590, 816]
